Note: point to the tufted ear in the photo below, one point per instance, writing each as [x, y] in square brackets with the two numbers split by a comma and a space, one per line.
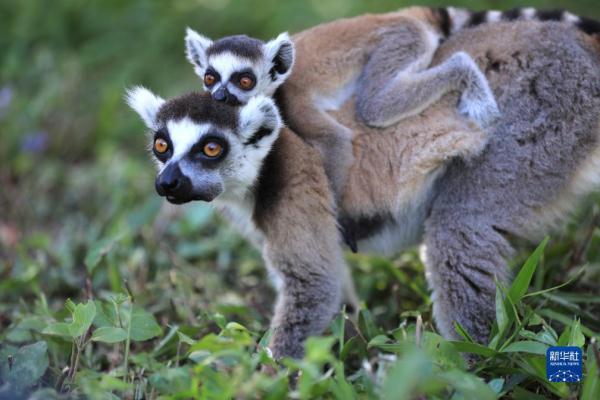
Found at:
[280, 51]
[145, 103]
[195, 50]
[260, 122]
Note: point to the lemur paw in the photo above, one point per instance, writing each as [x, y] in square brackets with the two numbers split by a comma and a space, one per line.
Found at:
[482, 110]
[477, 101]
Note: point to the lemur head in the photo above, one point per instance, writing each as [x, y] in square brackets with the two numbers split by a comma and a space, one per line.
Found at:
[236, 68]
[206, 148]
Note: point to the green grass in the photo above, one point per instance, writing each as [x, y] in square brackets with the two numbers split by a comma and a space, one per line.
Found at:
[187, 317]
[177, 306]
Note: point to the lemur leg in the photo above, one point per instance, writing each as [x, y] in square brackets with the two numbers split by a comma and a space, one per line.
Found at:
[329, 137]
[463, 259]
[395, 84]
[309, 297]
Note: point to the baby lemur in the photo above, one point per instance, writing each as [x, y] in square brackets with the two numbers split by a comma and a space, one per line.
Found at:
[441, 182]
[382, 59]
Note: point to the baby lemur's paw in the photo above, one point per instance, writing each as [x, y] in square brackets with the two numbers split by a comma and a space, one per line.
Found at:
[482, 109]
[477, 101]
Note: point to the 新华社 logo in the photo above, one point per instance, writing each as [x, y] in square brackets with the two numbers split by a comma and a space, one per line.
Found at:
[564, 364]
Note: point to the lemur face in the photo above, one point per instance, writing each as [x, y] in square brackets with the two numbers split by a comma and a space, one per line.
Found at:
[236, 68]
[206, 148]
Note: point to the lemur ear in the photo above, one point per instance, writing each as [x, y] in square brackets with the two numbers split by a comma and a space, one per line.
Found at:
[195, 50]
[260, 122]
[145, 103]
[281, 53]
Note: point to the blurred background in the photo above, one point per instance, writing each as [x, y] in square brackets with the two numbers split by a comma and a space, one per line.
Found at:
[76, 183]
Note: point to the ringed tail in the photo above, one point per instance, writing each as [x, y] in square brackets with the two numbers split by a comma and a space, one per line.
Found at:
[453, 19]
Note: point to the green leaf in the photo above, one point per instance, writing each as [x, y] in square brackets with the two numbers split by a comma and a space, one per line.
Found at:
[576, 338]
[83, 316]
[172, 380]
[382, 342]
[58, 329]
[470, 386]
[441, 352]
[109, 334]
[591, 383]
[29, 363]
[463, 332]
[106, 314]
[23, 331]
[318, 349]
[501, 314]
[366, 324]
[474, 348]
[405, 377]
[564, 338]
[521, 283]
[526, 346]
[143, 325]
[235, 326]
[183, 338]
[98, 250]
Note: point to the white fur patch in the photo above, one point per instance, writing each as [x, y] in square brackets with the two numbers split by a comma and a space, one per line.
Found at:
[283, 45]
[333, 101]
[184, 133]
[145, 103]
[227, 63]
[195, 49]
[528, 13]
[458, 18]
[570, 18]
[494, 16]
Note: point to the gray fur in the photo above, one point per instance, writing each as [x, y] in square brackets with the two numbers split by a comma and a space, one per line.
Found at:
[310, 296]
[394, 85]
[550, 98]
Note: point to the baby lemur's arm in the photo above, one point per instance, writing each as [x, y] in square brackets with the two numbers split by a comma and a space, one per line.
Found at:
[395, 85]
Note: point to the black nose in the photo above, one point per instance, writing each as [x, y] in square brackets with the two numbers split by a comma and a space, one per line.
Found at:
[170, 184]
[221, 94]
[173, 184]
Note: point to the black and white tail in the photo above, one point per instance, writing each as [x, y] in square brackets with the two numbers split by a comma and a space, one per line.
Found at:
[454, 19]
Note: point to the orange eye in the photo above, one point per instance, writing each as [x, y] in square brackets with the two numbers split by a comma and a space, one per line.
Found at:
[246, 83]
[161, 146]
[212, 149]
[209, 79]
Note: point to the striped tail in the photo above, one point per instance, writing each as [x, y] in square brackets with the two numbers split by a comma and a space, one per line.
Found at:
[454, 19]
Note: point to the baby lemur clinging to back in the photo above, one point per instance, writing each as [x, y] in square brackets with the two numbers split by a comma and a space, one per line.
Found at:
[386, 58]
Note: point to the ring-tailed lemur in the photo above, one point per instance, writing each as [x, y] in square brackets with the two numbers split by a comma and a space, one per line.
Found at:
[544, 154]
[384, 61]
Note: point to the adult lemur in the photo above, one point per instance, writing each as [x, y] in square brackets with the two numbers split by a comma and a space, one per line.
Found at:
[383, 59]
[431, 184]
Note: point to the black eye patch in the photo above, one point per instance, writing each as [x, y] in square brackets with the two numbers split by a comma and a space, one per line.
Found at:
[215, 74]
[162, 134]
[236, 77]
[197, 153]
